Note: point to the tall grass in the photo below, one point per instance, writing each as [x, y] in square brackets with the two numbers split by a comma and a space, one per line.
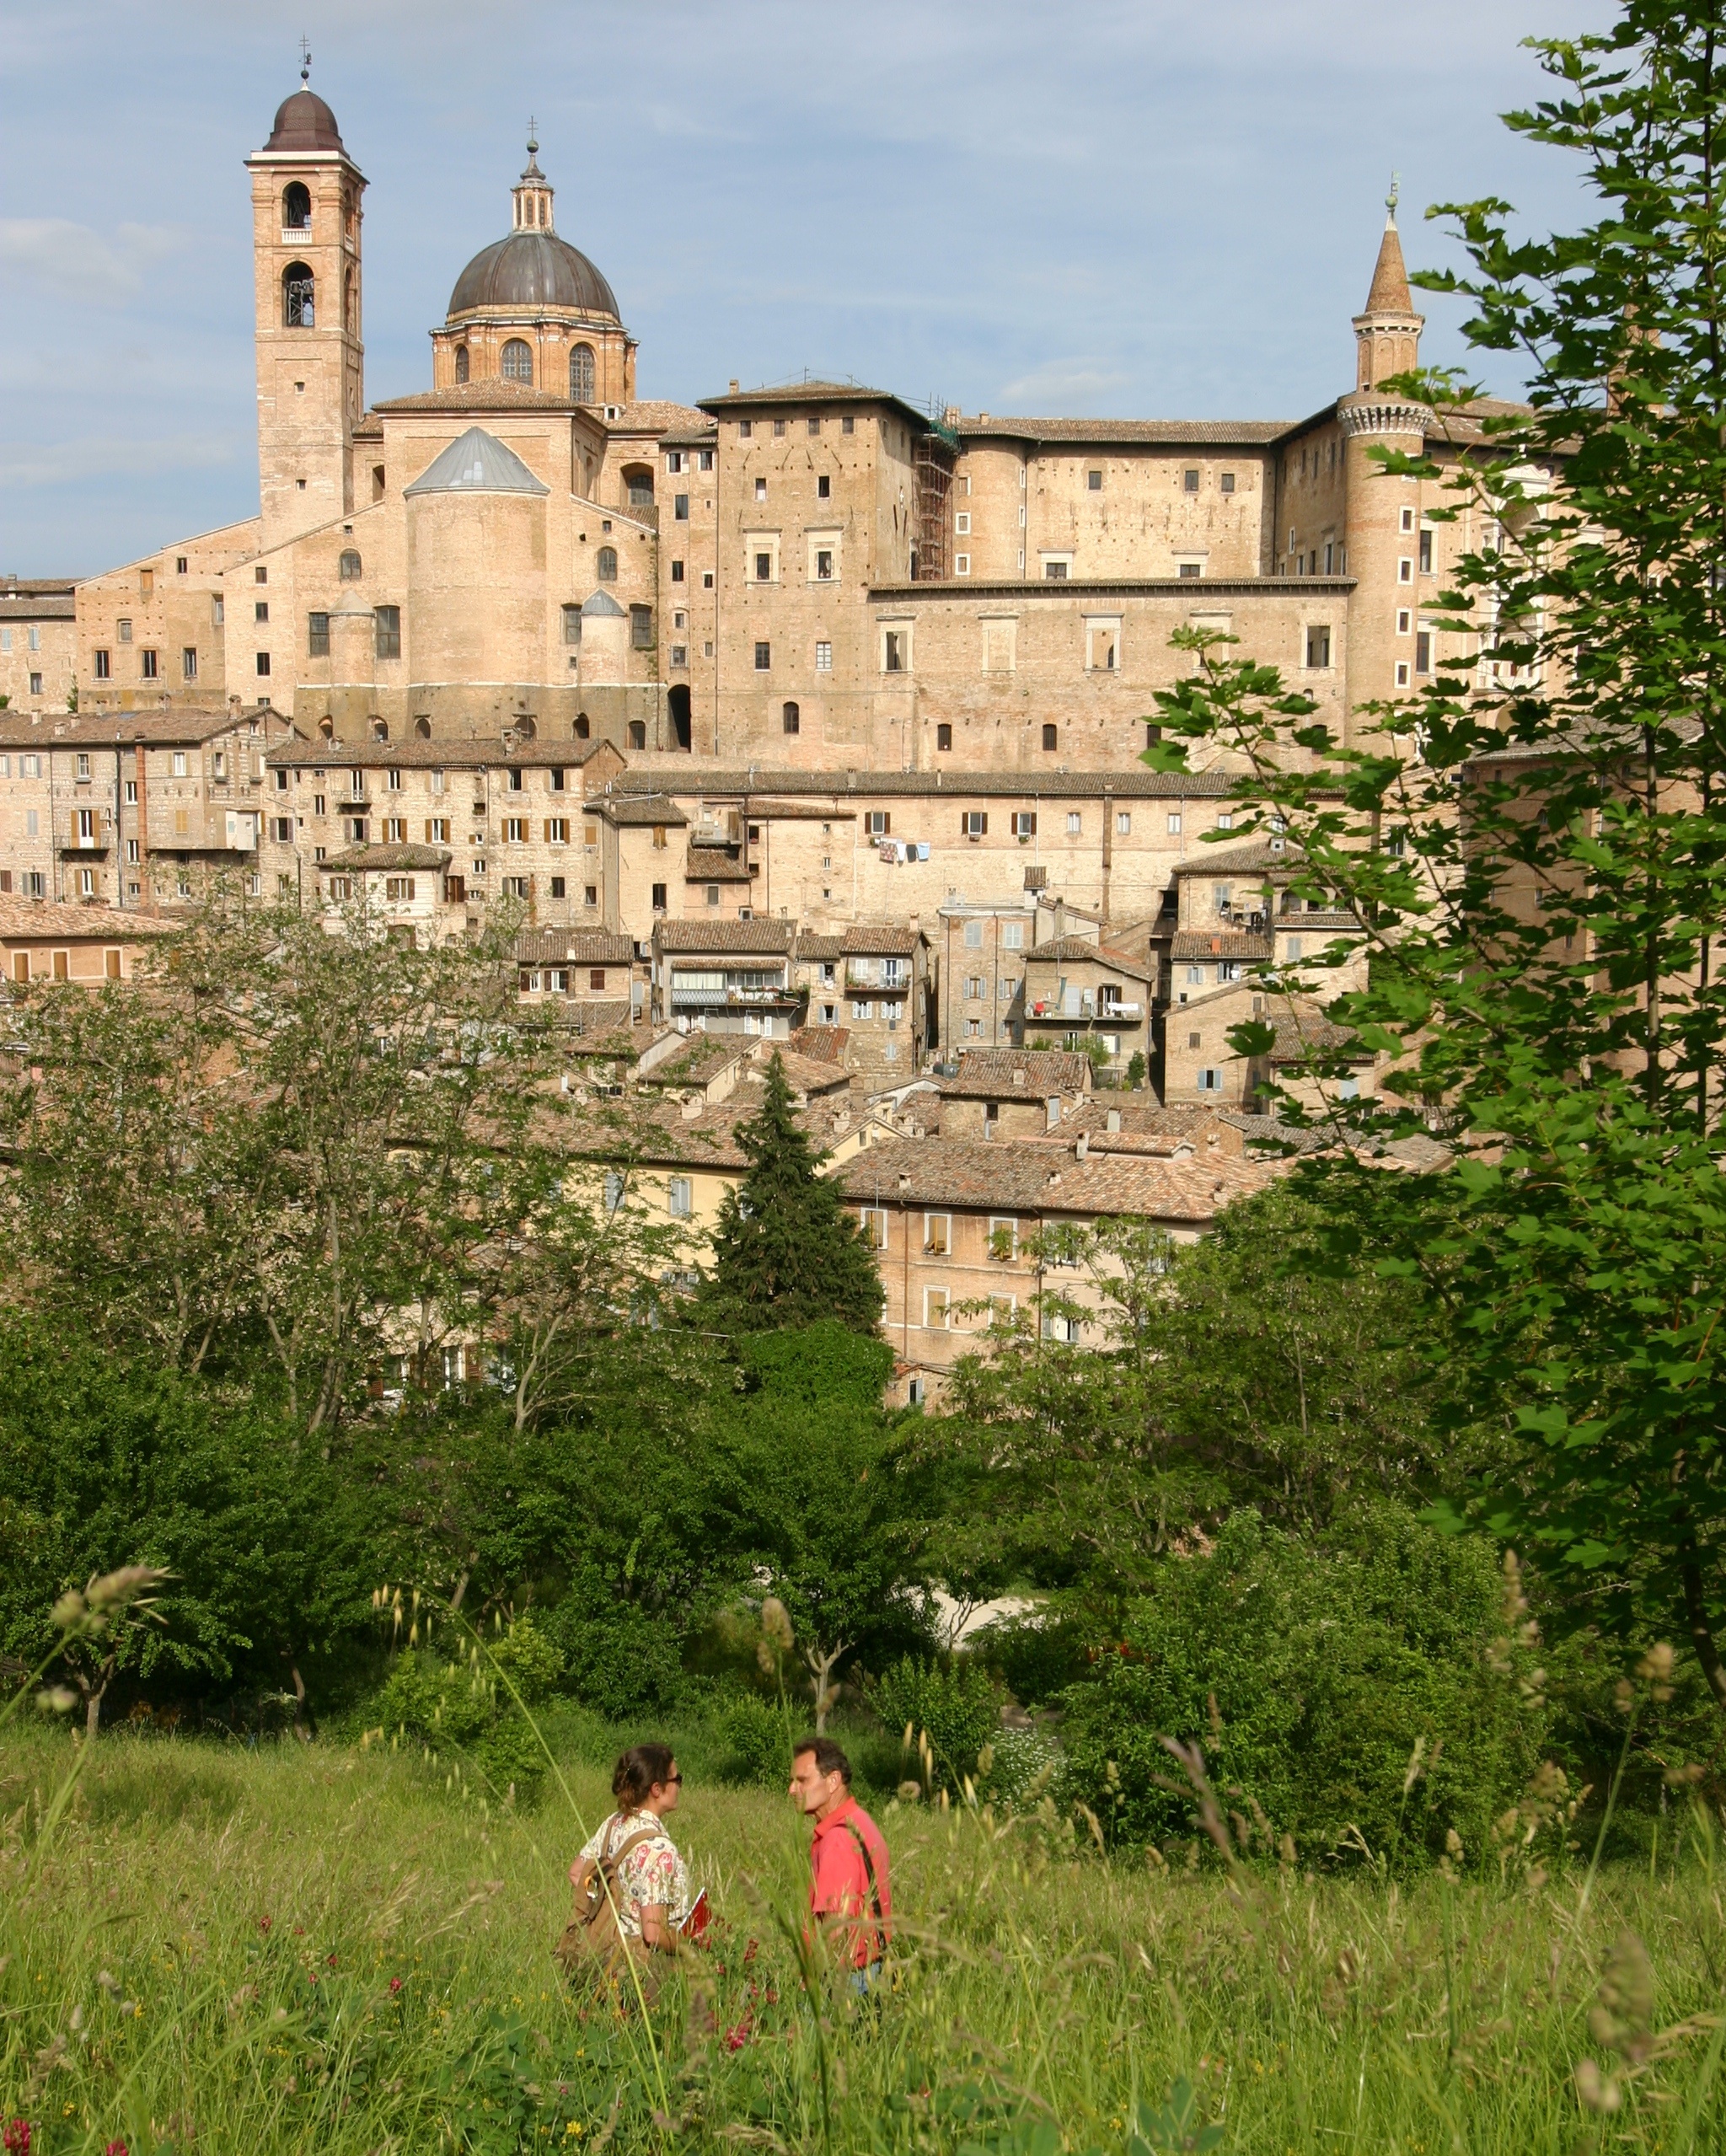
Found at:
[308, 1948]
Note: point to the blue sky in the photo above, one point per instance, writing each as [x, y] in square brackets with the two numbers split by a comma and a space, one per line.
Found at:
[1156, 209]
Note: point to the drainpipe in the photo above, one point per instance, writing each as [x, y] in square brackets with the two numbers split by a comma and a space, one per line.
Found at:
[147, 896]
[118, 835]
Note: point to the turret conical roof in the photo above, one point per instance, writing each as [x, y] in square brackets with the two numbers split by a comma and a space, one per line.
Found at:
[1390, 293]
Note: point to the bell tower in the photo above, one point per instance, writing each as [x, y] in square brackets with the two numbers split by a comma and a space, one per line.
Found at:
[306, 216]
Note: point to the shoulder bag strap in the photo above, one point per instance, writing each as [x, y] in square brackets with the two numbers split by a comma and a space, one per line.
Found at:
[868, 1868]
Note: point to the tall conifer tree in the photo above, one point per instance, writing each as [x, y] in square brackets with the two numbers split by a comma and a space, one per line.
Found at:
[786, 1253]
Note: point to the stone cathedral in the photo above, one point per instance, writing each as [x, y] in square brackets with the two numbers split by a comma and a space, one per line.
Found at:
[819, 577]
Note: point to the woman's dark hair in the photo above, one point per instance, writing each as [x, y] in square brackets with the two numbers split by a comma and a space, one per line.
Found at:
[638, 1771]
[828, 1758]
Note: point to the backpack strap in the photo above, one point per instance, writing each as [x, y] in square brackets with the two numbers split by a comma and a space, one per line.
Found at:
[868, 1869]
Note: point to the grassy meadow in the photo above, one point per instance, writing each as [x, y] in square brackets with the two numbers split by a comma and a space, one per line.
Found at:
[325, 1948]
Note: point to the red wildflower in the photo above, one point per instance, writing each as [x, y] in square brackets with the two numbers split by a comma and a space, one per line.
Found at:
[750, 1951]
[734, 2039]
[116, 2149]
[332, 1960]
[395, 1985]
[264, 1924]
[15, 2137]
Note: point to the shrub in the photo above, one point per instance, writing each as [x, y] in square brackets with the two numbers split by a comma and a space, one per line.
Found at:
[1036, 1656]
[617, 1658]
[460, 1707]
[1308, 1673]
[754, 1740]
[958, 1705]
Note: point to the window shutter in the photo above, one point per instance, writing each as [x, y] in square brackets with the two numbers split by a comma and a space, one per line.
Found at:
[984, 827]
[886, 824]
[428, 827]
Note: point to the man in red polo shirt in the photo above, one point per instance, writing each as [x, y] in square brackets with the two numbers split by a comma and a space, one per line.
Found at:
[849, 1893]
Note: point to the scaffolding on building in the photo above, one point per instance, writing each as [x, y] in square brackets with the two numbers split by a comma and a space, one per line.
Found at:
[936, 450]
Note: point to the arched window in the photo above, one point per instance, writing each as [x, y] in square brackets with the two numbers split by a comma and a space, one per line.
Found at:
[380, 729]
[422, 729]
[582, 729]
[518, 362]
[677, 704]
[298, 309]
[461, 362]
[295, 206]
[326, 726]
[526, 727]
[605, 566]
[581, 374]
[793, 719]
[348, 567]
[639, 480]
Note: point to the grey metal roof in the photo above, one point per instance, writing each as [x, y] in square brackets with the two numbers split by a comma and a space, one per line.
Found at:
[601, 607]
[476, 463]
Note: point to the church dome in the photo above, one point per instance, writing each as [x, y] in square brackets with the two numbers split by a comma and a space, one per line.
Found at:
[531, 271]
[304, 122]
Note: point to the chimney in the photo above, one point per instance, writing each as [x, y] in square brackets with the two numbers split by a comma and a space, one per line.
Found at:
[1114, 1118]
[734, 385]
[1081, 1146]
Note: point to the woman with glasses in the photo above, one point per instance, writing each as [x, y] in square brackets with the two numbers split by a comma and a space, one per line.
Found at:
[650, 1881]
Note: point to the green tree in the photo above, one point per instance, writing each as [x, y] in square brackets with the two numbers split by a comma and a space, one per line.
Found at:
[1535, 845]
[786, 1253]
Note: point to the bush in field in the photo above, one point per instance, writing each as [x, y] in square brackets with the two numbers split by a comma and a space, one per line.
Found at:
[958, 1705]
[754, 1739]
[617, 1658]
[1036, 1656]
[1309, 1672]
[459, 1706]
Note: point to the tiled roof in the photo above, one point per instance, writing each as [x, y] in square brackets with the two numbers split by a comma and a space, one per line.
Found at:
[813, 392]
[680, 437]
[846, 790]
[1315, 919]
[492, 394]
[1306, 1030]
[714, 865]
[880, 939]
[573, 947]
[997, 1073]
[1197, 594]
[815, 947]
[391, 856]
[450, 755]
[806, 1075]
[658, 416]
[1000, 1176]
[821, 1043]
[1074, 949]
[592, 1022]
[106, 729]
[36, 588]
[1257, 854]
[22, 920]
[44, 606]
[638, 810]
[1202, 943]
[1230, 433]
[753, 936]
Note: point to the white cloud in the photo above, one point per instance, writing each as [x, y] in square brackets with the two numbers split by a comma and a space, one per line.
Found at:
[112, 458]
[1064, 384]
[76, 262]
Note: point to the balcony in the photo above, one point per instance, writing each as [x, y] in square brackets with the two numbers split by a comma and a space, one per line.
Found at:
[863, 973]
[87, 831]
[1082, 1010]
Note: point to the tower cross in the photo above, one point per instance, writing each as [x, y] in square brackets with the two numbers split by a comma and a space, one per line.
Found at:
[305, 59]
[1390, 200]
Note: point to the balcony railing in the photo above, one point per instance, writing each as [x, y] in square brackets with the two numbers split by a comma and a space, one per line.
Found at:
[860, 974]
[1054, 1010]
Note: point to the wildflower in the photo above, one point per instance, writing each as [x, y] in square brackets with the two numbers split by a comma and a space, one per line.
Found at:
[734, 2039]
[116, 2149]
[15, 2137]
[264, 1924]
[395, 1985]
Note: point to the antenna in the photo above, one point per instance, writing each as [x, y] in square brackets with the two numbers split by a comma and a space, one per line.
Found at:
[305, 60]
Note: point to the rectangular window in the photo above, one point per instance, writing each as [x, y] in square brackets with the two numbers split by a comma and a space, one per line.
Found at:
[103, 666]
[764, 658]
[962, 523]
[973, 824]
[878, 822]
[935, 1309]
[122, 631]
[1012, 936]
[824, 658]
[1405, 569]
[1426, 553]
[1407, 520]
[218, 613]
[515, 830]
[1075, 822]
[1024, 823]
[387, 631]
[680, 1192]
[704, 460]
[1055, 572]
[862, 1011]
[680, 508]
[557, 830]
[673, 460]
[178, 764]
[874, 1218]
[1189, 482]
[1210, 1080]
[284, 830]
[761, 489]
[823, 487]
[658, 900]
[895, 651]
[572, 625]
[318, 635]
[437, 830]
[260, 611]
[189, 662]
[399, 886]
[745, 428]
[1227, 483]
[641, 628]
[824, 565]
[1423, 652]
[937, 1235]
[1405, 621]
[263, 664]
[146, 666]
[1318, 648]
[677, 572]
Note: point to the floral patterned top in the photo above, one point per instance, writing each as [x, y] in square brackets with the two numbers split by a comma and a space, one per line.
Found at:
[652, 1872]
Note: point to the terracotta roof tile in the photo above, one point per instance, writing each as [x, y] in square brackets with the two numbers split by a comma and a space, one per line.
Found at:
[753, 936]
[1218, 943]
[845, 790]
[1001, 1176]
[1230, 433]
[436, 858]
[992, 1073]
[109, 729]
[872, 939]
[573, 947]
[714, 865]
[638, 810]
[24, 918]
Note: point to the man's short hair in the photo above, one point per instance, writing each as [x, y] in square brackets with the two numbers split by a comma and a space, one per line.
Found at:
[829, 1757]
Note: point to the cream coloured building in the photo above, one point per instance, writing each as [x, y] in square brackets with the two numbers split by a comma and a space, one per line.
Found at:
[817, 576]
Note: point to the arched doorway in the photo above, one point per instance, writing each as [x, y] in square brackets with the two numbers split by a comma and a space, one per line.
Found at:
[678, 705]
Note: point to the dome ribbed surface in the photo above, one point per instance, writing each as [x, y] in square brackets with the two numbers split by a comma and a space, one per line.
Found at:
[476, 463]
[304, 122]
[533, 270]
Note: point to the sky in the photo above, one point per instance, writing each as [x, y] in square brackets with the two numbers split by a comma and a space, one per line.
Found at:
[1137, 208]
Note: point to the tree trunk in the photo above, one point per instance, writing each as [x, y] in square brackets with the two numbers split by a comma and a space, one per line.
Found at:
[303, 1726]
[821, 1666]
[1701, 1632]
